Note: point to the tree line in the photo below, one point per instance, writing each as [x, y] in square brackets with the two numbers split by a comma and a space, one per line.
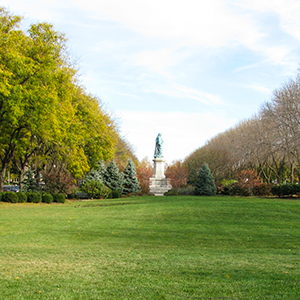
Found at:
[47, 120]
[265, 145]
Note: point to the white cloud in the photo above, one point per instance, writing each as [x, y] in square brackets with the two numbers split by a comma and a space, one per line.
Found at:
[193, 22]
[159, 60]
[181, 91]
[182, 132]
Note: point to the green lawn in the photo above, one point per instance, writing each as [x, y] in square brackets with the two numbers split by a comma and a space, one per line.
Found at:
[151, 248]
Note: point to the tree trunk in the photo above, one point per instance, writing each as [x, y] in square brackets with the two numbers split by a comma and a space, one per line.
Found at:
[2, 178]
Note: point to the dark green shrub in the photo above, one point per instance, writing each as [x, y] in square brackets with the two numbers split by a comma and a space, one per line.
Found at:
[11, 197]
[282, 190]
[59, 198]
[94, 188]
[1, 196]
[172, 192]
[238, 190]
[47, 198]
[34, 197]
[114, 194]
[21, 197]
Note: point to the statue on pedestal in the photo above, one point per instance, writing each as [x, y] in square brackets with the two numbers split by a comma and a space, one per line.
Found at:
[159, 184]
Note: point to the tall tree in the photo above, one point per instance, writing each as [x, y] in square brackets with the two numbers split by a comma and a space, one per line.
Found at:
[45, 116]
[113, 178]
[130, 182]
[205, 185]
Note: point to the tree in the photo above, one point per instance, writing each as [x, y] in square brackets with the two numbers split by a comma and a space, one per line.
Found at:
[58, 181]
[113, 178]
[35, 77]
[178, 174]
[144, 172]
[130, 182]
[205, 185]
[45, 116]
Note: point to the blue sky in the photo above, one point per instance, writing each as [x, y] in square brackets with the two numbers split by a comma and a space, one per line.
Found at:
[187, 69]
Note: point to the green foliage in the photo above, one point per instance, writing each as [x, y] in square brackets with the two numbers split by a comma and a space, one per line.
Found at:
[283, 190]
[113, 194]
[95, 189]
[59, 198]
[113, 178]
[30, 183]
[34, 197]
[45, 114]
[1, 196]
[21, 197]
[47, 198]
[10, 197]
[130, 182]
[205, 184]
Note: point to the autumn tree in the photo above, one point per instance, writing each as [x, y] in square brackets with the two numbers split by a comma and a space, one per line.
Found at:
[177, 173]
[144, 172]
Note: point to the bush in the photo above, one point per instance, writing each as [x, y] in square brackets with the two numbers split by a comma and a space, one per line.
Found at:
[1, 196]
[59, 198]
[34, 197]
[114, 194]
[21, 197]
[47, 198]
[95, 189]
[10, 197]
[58, 181]
[282, 190]
[181, 191]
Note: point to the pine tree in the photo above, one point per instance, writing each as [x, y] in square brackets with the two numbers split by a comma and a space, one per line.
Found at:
[113, 178]
[205, 184]
[130, 182]
[98, 174]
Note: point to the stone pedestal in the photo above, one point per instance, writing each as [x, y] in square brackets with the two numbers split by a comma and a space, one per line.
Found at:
[159, 184]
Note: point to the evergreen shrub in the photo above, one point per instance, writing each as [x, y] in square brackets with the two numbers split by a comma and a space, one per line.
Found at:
[1, 196]
[34, 197]
[205, 184]
[283, 190]
[94, 188]
[114, 194]
[21, 197]
[59, 198]
[10, 197]
[130, 182]
[47, 198]
[181, 191]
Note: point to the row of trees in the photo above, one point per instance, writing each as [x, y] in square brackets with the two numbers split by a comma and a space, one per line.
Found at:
[47, 120]
[264, 148]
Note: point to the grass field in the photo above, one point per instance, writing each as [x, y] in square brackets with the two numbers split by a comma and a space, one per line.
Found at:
[151, 248]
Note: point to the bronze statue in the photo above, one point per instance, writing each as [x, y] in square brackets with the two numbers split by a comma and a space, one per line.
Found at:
[158, 146]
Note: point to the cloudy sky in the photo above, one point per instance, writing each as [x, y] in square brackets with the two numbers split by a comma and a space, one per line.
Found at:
[188, 69]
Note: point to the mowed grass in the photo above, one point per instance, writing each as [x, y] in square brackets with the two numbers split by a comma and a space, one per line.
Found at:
[151, 248]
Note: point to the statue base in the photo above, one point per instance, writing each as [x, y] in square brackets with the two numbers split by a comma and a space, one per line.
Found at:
[159, 184]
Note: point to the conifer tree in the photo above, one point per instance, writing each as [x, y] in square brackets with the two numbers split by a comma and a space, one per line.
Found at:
[130, 182]
[113, 178]
[205, 184]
